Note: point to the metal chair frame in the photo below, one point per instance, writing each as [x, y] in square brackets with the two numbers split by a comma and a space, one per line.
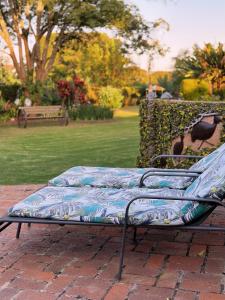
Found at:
[6, 221]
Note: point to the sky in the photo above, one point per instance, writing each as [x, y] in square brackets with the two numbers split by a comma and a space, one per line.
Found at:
[191, 22]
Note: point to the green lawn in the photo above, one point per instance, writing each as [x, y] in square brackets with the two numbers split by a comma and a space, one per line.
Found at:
[36, 154]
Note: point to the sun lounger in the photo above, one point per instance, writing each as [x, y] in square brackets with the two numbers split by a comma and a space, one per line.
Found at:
[136, 207]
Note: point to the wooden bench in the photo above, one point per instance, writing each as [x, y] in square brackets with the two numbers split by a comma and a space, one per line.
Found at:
[26, 113]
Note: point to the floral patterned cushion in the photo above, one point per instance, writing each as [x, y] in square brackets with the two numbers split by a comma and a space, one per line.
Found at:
[208, 160]
[105, 205]
[210, 184]
[115, 178]
[128, 177]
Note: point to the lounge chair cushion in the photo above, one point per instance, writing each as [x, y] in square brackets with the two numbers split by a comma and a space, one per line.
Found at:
[204, 163]
[104, 205]
[210, 184]
[115, 178]
[128, 177]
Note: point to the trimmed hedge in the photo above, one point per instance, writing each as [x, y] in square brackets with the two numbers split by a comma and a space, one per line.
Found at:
[91, 112]
[163, 120]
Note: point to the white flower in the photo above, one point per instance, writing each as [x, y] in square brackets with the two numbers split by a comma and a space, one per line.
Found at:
[17, 101]
[27, 102]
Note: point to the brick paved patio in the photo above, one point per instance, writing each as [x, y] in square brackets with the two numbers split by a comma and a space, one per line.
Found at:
[53, 262]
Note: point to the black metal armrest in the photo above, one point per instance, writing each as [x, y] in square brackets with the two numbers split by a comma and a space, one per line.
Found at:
[172, 170]
[210, 201]
[191, 174]
[176, 157]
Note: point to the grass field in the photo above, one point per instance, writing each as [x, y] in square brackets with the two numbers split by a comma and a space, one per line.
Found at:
[36, 154]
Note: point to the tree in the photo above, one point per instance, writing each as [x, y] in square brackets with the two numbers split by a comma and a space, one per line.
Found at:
[100, 62]
[171, 82]
[25, 25]
[204, 63]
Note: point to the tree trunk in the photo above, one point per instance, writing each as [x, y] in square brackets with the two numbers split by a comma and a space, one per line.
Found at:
[218, 84]
[212, 87]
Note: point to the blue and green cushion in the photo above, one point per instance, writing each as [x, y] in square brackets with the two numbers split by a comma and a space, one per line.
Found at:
[204, 163]
[101, 205]
[107, 205]
[114, 178]
[128, 177]
[210, 184]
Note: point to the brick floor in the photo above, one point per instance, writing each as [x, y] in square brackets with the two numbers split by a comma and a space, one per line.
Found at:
[80, 262]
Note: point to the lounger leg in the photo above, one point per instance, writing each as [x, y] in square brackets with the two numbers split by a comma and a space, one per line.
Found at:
[29, 225]
[122, 252]
[18, 230]
[135, 235]
[4, 226]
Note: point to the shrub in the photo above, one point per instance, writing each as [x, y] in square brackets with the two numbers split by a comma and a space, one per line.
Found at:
[92, 93]
[141, 89]
[131, 96]
[110, 97]
[9, 91]
[7, 110]
[221, 94]
[194, 89]
[49, 96]
[2, 106]
[91, 112]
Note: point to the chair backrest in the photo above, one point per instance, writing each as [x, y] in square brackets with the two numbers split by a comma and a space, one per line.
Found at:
[211, 183]
[206, 162]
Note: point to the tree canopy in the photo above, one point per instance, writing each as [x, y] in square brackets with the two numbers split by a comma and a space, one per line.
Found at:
[26, 24]
[100, 62]
[204, 63]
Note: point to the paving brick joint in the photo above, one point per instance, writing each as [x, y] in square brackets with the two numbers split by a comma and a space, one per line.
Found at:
[80, 262]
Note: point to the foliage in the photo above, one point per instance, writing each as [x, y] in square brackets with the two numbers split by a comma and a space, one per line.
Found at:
[9, 91]
[7, 76]
[112, 143]
[135, 75]
[92, 93]
[101, 61]
[91, 112]
[131, 95]
[162, 121]
[171, 83]
[155, 76]
[72, 92]
[2, 105]
[24, 25]
[141, 88]
[49, 95]
[65, 91]
[193, 89]
[204, 63]
[79, 90]
[221, 93]
[7, 110]
[110, 97]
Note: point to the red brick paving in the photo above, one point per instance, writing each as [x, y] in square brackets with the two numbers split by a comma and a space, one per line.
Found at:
[50, 262]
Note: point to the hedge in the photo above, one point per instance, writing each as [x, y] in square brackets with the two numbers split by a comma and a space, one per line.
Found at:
[9, 92]
[163, 120]
[90, 112]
